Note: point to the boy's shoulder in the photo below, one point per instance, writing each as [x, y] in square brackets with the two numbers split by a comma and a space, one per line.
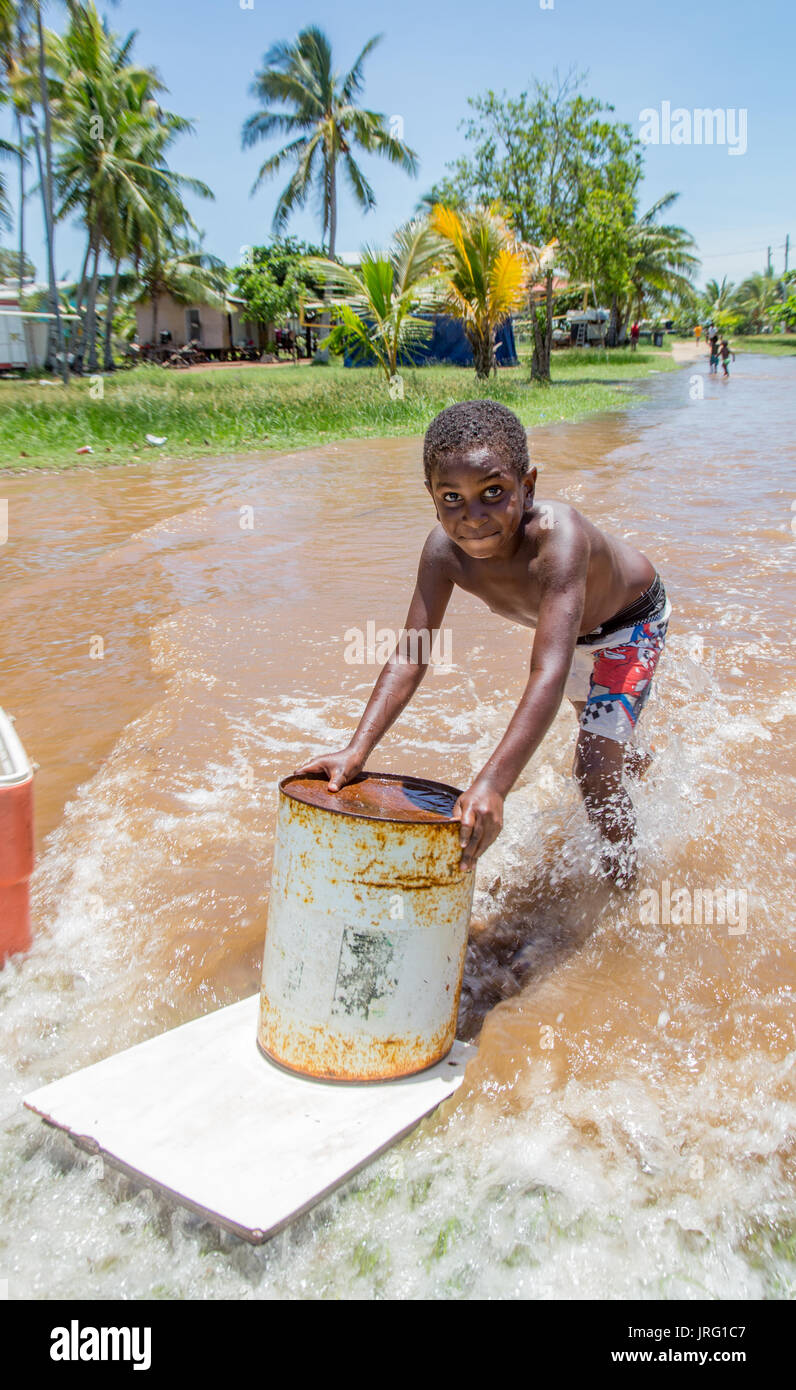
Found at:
[439, 551]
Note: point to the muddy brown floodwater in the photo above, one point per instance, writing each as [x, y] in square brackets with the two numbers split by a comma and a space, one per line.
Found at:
[175, 639]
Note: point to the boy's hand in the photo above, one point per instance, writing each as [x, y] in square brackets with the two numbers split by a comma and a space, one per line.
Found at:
[480, 810]
[340, 768]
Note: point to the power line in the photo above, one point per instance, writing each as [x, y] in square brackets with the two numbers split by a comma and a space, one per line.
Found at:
[750, 250]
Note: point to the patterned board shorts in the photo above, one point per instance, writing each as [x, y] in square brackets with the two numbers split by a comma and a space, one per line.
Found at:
[614, 676]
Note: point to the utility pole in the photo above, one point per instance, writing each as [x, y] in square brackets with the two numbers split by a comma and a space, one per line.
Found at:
[787, 249]
[768, 270]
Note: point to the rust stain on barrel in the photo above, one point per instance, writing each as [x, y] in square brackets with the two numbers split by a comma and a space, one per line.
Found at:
[327, 1056]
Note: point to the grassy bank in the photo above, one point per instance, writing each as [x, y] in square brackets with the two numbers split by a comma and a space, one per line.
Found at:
[776, 344]
[239, 411]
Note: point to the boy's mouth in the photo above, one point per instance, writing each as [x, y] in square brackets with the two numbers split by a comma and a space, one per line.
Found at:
[479, 540]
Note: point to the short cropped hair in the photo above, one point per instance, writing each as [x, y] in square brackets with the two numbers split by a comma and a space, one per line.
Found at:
[474, 424]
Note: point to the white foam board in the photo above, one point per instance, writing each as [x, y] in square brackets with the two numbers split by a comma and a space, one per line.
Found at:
[200, 1113]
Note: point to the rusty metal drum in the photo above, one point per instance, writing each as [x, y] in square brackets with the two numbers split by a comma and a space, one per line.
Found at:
[367, 928]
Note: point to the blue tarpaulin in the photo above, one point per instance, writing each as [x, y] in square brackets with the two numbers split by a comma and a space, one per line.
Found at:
[449, 344]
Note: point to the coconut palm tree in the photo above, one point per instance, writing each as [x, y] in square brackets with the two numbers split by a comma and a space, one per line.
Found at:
[325, 124]
[7, 35]
[111, 164]
[380, 304]
[485, 272]
[24, 60]
[756, 297]
[662, 260]
[6, 152]
[718, 297]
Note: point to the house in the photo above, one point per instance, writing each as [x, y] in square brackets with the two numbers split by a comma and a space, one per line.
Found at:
[23, 333]
[215, 330]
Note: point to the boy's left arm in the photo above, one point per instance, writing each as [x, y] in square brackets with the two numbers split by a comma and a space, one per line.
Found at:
[563, 577]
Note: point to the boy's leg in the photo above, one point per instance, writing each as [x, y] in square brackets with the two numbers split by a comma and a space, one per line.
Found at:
[638, 761]
[618, 690]
[597, 769]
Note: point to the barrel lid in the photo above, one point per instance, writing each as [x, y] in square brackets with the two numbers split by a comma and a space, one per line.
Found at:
[377, 796]
[14, 764]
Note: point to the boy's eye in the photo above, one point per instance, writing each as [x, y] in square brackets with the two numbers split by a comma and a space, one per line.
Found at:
[450, 497]
[495, 490]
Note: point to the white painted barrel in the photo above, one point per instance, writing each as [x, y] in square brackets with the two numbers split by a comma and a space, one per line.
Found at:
[367, 928]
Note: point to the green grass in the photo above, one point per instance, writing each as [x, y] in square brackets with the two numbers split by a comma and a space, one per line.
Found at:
[775, 344]
[242, 411]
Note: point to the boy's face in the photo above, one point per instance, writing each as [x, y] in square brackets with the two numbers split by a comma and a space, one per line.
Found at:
[480, 501]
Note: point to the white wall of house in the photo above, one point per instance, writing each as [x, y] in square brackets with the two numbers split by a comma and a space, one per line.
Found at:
[23, 343]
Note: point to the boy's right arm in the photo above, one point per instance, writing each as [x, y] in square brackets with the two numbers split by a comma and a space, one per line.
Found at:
[401, 675]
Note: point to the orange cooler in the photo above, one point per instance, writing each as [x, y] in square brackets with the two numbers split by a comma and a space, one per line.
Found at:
[16, 842]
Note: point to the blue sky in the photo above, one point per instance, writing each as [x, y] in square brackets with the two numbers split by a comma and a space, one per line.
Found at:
[435, 53]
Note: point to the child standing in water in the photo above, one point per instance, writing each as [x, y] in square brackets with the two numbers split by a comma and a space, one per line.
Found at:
[726, 353]
[597, 605]
[714, 356]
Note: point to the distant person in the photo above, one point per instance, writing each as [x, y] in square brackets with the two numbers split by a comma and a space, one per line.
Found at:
[713, 332]
[596, 603]
[726, 353]
[698, 333]
[714, 356]
[634, 332]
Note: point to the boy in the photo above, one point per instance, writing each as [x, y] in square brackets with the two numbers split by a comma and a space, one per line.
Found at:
[597, 604]
[726, 354]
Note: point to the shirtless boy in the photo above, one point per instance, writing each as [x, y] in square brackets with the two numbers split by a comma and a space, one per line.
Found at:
[598, 607]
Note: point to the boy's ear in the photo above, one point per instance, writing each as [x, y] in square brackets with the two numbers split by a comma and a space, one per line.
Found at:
[430, 492]
[529, 481]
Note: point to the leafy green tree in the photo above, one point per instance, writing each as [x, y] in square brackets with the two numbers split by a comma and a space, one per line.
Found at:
[321, 116]
[9, 266]
[273, 279]
[635, 264]
[541, 155]
[599, 247]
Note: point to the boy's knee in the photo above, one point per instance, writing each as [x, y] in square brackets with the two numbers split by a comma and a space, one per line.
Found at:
[597, 768]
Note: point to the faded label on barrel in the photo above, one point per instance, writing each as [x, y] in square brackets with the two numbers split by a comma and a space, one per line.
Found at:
[363, 978]
[368, 973]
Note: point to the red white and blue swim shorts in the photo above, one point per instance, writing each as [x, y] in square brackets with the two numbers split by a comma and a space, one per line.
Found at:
[612, 670]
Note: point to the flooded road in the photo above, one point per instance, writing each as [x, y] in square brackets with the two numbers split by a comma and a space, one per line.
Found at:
[176, 640]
